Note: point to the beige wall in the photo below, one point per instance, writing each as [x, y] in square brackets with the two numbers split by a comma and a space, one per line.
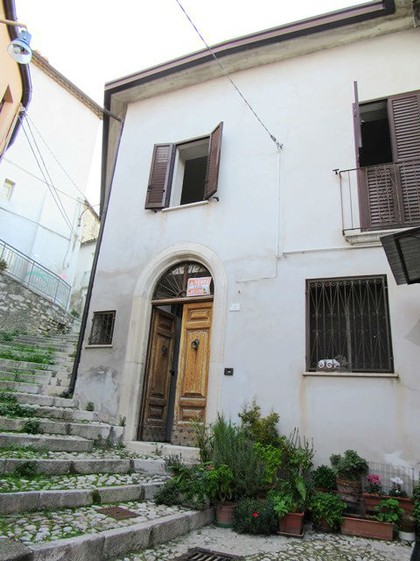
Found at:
[10, 88]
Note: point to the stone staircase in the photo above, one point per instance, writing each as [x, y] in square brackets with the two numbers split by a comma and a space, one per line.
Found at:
[69, 490]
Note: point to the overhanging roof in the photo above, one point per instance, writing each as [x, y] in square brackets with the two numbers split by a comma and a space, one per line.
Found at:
[403, 253]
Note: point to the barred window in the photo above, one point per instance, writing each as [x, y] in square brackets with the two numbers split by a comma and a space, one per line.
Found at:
[348, 325]
[102, 328]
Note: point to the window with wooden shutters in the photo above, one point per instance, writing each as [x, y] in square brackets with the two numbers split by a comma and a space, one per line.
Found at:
[389, 158]
[185, 172]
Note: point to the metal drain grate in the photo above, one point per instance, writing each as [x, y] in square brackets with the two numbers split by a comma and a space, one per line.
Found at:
[118, 512]
[198, 554]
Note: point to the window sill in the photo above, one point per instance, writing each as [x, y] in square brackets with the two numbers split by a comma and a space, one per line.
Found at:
[98, 346]
[189, 205]
[339, 374]
[358, 238]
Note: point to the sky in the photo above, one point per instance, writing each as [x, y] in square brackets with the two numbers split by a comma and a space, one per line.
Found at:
[92, 42]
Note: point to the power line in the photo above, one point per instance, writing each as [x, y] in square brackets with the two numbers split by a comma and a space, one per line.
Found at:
[226, 74]
[44, 171]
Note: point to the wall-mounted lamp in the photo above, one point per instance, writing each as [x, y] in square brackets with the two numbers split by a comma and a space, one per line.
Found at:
[19, 48]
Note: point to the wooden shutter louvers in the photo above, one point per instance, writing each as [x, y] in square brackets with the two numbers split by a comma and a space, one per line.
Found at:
[213, 162]
[159, 189]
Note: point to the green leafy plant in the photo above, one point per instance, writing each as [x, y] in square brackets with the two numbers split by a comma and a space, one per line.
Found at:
[96, 497]
[203, 440]
[389, 510]
[270, 457]
[233, 447]
[3, 265]
[10, 407]
[283, 503]
[32, 426]
[254, 516]
[327, 508]
[323, 477]
[28, 470]
[219, 483]
[349, 465]
[187, 487]
[416, 492]
[258, 428]
[90, 406]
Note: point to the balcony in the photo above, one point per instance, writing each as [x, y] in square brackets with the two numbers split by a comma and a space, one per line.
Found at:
[377, 198]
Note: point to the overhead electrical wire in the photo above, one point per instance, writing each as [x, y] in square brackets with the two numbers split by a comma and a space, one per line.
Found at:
[44, 171]
[226, 74]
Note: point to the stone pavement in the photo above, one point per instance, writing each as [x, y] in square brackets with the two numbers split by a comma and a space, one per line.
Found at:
[313, 547]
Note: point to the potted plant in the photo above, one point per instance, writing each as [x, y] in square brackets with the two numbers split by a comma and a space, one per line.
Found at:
[327, 510]
[323, 479]
[219, 482]
[349, 468]
[290, 516]
[407, 528]
[254, 516]
[380, 526]
[374, 493]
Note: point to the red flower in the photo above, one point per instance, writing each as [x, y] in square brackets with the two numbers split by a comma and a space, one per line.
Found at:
[255, 514]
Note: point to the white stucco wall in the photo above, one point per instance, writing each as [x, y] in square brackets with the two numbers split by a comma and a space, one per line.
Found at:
[278, 223]
[64, 134]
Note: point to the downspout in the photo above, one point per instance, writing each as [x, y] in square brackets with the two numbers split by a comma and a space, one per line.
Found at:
[83, 323]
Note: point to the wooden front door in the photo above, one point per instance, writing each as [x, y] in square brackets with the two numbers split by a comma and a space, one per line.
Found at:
[191, 391]
[160, 370]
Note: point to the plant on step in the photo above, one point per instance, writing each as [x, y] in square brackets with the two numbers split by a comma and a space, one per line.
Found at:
[389, 510]
[32, 426]
[7, 336]
[90, 406]
[96, 497]
[327, 510]
[203, 440]
[219, 483]
[254, 516]
[10, 407]
[186, 488]
[3, 265]
[28, 470]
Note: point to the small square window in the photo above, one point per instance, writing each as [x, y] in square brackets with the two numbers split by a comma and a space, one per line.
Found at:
[7, 189]
[102, 328]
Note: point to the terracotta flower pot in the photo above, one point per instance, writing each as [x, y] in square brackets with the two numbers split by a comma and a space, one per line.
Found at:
[366, 528]
[224, 514]
[370, 501]
[350, 491]
[291, 524]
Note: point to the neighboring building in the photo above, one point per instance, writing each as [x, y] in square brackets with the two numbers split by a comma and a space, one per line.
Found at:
[44, 176]
[15, 81]
[296, 305]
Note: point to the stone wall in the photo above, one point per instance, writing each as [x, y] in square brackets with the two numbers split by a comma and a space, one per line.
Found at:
[22, 309]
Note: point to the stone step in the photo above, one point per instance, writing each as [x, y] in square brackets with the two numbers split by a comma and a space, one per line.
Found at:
[101, 432]
[87, 465]
[67, 414]
[29, 501]
[46, 442]
[38, 377]
[21, 387]
[186, 453]
[118, 541]
[9, 364]
[45, 400]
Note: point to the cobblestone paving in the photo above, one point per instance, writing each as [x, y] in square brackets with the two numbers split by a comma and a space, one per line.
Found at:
[38, 527]
[313, 547]
[95, 454]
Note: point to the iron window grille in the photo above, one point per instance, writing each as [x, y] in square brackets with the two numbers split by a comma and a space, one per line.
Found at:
[348, 326]
[102, 328]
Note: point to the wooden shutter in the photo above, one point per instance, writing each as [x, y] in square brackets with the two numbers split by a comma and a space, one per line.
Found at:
[213, 162]
[160, 179]
[357, 123]
[404, 118]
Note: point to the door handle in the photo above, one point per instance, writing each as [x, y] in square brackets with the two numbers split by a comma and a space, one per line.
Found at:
[194, 344]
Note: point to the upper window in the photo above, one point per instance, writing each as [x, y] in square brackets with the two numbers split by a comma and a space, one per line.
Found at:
[102, 328]
[6, 190]
[184, 173]
[348, 325]
[388, 141]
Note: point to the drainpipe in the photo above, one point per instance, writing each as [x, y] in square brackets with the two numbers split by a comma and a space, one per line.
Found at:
[83, 323]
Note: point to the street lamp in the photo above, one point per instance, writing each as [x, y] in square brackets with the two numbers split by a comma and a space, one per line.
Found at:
[19, 48]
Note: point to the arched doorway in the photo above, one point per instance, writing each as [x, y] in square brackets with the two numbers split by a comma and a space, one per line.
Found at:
[175, 388]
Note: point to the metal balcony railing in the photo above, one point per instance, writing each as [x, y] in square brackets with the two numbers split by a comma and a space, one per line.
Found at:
[34, 276]
[380, 197]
